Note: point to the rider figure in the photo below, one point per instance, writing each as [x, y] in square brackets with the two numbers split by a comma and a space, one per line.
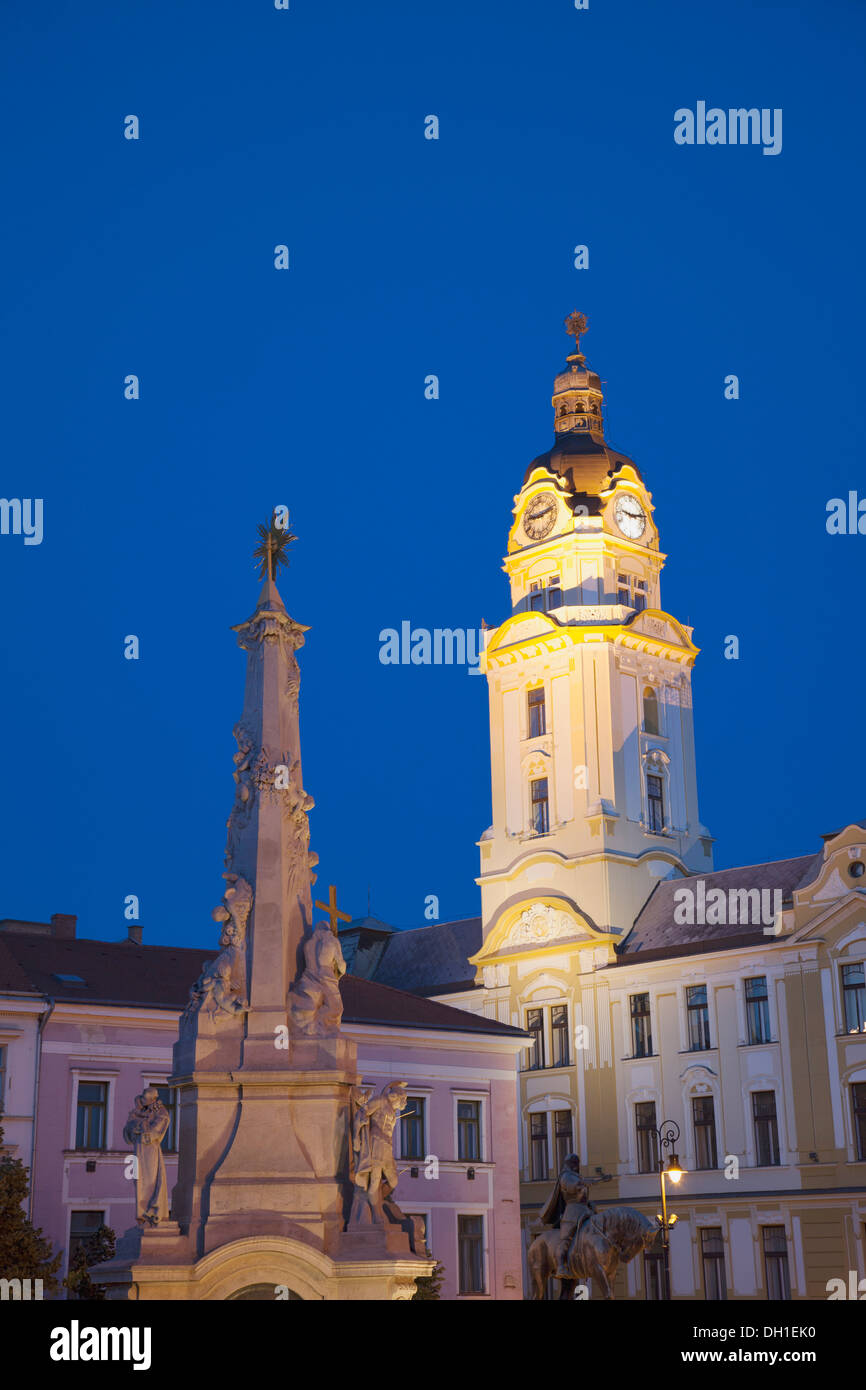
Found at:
[568, 1206]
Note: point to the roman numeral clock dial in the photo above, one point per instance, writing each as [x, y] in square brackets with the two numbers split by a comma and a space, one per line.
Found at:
[539, 516]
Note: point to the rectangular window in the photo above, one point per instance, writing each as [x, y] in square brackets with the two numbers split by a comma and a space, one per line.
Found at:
[538, 1147]
[563, 1136]
[655, 803]
[469, 1129]
[647, 1138]
[776, 1262]
[854, 998]
[639, 595]
[536, 596]
[82, 1225]
[713, 1260]
[559, 1035]
[766, 1129]
[91, 1115]
[168, 1096]
[535, 1027]
[654, 1276]
[699, 1018]
[757, 1009]
[704, 1116]
[412, 1128]
[470, 1247]
[540, 813]
[641, 1032]
[623, 594]
[858, 1100]
[537, 723]
[554, 592]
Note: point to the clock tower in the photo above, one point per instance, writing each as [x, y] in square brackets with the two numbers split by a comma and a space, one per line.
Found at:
[592, 747]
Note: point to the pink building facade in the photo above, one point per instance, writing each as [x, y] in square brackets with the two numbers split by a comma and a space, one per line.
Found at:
[86, 1025]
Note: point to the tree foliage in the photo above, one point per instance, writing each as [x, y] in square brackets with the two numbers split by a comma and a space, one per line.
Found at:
[24, 1251]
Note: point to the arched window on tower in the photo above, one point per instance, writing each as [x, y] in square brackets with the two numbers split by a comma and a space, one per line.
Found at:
[651, 722]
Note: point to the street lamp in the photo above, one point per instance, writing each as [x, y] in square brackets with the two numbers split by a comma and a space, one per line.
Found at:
[667, 1135]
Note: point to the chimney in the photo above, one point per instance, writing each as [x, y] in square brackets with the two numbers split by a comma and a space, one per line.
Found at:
[63, 925]
[133, 933]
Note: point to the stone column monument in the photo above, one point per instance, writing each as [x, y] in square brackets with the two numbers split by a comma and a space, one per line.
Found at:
[265, 1076]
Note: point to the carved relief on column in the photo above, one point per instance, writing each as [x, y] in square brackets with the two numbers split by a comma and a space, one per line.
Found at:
[221, 989]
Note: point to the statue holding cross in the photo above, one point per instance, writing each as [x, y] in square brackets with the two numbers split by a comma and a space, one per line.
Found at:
[315, 1002]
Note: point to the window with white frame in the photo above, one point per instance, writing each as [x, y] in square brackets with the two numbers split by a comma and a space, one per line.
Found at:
[766, 1125]
[545, 594]
[698, 1016]
[713, 1262]
[655, 802]
[413, 1128]
[631, 591]
[651, 712]
[858, 1102]
[91, 1115]
[470, 1254]
[539, 1156]
[469, 1130]
[548, 1026]
[539, 806]
[641, 1028]
[757, 1009]
[854, 997]
[537, 720]
[778, 1278]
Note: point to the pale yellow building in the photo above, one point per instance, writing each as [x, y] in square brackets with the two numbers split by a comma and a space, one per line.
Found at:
[730, 1003]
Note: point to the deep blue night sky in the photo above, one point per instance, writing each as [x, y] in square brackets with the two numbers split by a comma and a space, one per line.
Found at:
[306, 387]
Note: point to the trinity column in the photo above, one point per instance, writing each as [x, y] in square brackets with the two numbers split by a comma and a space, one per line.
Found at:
[282, 1153]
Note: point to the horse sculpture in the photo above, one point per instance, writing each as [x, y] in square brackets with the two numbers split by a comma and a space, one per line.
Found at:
[605, 1240]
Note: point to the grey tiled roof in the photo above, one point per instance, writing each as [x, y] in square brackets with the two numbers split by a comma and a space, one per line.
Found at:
[430, 960]
[656, 931]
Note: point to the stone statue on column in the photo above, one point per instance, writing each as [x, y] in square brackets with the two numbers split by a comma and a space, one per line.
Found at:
[375, 1171]
[315, 1002]
[144, 1130]
[221, 986]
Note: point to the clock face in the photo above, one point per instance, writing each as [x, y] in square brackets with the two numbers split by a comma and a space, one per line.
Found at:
[629, 517]
[539, 516]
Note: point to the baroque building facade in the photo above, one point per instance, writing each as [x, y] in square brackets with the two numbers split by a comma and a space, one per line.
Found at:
[653, 988]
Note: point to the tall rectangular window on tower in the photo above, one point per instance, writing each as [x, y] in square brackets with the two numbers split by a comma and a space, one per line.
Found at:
[540, 811]
[655, 803]
[641, 1031]
[537, 721]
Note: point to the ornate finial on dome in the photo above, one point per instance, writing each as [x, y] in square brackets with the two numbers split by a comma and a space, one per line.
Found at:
[575, 325]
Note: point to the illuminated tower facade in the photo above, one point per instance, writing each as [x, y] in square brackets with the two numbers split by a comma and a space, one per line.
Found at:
[594, 785]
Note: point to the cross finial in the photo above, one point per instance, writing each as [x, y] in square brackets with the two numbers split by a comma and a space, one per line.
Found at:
[335, 916]
[274, 542]
[575, 325]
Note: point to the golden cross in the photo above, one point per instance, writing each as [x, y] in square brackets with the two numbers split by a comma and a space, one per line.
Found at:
[335, 916]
